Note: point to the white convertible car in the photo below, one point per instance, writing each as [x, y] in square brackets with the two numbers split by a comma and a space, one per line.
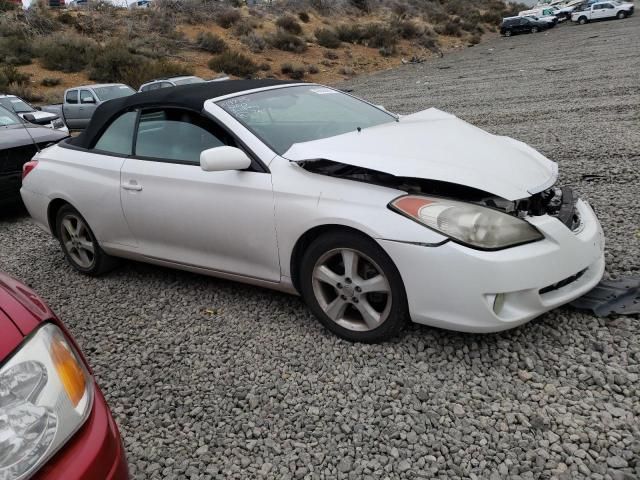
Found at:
[373, 218]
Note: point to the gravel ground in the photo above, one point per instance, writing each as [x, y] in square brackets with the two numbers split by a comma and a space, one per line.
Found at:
[212, 379]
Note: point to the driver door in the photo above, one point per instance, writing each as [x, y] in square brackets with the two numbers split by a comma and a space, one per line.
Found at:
[220, 221]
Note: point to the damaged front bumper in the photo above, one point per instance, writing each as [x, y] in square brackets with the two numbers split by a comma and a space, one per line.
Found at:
[458, 288]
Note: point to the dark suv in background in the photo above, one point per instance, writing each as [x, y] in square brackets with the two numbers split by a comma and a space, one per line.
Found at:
[513, 25]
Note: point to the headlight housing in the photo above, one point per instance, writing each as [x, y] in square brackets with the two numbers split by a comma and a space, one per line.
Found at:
[466, 223]
[46, 394]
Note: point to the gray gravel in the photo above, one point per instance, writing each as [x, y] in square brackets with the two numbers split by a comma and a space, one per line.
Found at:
[212, 379]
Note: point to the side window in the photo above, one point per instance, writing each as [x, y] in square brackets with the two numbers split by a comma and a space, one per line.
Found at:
[118, 137]
[177, 135]
[607, 5]
[72, 97]
[86, 97]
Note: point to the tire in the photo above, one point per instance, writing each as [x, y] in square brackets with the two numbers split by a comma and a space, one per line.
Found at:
[507, 33]
[582, 20]
[337, 297]
[621, 15]
[534, 29]
[79, 244]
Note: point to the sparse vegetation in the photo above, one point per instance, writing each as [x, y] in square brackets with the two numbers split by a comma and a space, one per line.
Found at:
[327, 38]
[154, 42]
[210, 42]
[289, 24]
[287, 42]
[234, 63]
[295, 72]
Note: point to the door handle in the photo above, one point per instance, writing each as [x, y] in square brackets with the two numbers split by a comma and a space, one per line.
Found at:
[135, 186]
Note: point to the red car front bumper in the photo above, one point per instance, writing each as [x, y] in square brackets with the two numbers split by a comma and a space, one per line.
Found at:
[94, 452]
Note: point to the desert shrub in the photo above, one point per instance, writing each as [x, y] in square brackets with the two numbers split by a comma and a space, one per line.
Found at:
[254, 42]
[363, 5]
[50, 82]
[327, 38]
[287, 42]
[295, 72]
[429, 42]
[10, 75]
[210, 42]
[264, 66]
[114, 62]
[233, 63]
[492, 17]
[66, 18]
[313, 69]
[289, 24]
[350, 33]
[15, 50]
[347, 71]
[153, 45]
[243, 27]
[40, 21]
[475, 39]
[304, 17]
[228, 17]
[66, 53]
[408, 29]
[387, 51]
[450, 28]
[379, 36]
[330, 54]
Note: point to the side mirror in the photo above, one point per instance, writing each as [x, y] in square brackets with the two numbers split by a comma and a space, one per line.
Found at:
[219, 159]
[38, 108]
[89, 100]
[29, 117]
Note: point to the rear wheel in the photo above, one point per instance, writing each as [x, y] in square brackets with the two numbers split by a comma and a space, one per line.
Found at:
[582, 20]
[507, 33]
[622, 14]
[353, 287]
[534, 29]
[79, 244]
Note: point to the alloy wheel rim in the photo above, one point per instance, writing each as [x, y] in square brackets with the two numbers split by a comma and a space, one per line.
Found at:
[352, 289]
[77, 241]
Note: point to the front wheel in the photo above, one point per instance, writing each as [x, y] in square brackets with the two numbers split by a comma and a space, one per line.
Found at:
[353, 287]
[79, 244]
[507, 33]
[534, 29]
[621, 15]
[582, 20]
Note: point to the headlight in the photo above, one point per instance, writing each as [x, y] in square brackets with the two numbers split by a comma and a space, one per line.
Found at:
[46, 395]
[467, 223]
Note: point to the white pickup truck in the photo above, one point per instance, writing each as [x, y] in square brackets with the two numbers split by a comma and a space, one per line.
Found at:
[602, 11]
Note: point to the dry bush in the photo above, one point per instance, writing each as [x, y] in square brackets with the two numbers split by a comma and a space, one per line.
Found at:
[7, 6]
[210, 42]
[50, 82]
[15, 50]
[327, 38]
[264, 66]
[244, 27]
[289, 24]
[39, 21]
[65, 52]
[313, 69]
[331, 55]
[450, 28]
[349, 32]
[475, 39]
[407, 29]
[97, 25]
[377, 35]
[304, 17]
[234, 63]
[254, 42]
[287, 42]
[228, 18]
[296, 72]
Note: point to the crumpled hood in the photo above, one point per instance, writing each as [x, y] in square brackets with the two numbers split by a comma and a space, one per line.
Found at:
[435, 145]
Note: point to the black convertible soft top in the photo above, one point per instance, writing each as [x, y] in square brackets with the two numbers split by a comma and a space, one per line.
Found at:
[190, 96]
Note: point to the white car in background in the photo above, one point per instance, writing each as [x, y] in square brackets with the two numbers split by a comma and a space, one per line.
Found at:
[32, 114]
[169, 82]
[602, 11]
[374, 219]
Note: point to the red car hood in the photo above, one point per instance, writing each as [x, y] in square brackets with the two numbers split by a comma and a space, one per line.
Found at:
[21, 305]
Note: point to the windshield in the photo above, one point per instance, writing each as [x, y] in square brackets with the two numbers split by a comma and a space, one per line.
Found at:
[113, 91]
[284, 116]
[15, 104]
[8, 118]
[185, 81]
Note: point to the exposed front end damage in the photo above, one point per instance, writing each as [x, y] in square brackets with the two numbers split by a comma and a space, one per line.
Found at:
[557, 202]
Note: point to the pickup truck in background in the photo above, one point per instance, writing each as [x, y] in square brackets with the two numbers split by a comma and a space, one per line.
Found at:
[80, 102]
[602, 11]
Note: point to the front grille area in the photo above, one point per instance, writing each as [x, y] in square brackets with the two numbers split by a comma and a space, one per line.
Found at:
[562, 283]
